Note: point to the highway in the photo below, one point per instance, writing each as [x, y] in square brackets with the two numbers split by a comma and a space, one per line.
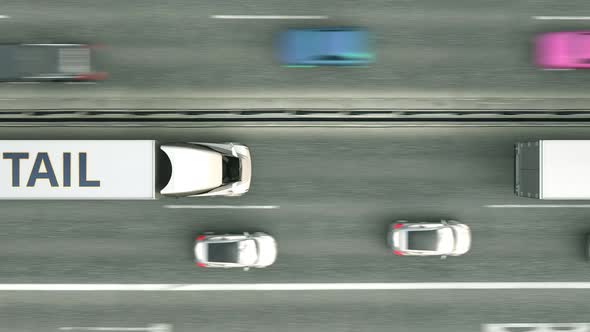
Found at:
[290, 312]
[335, 191]
[327, 194]
[455, 49]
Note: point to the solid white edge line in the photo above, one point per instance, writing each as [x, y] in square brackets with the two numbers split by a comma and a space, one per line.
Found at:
[245, 207]
[103, 328]
[23, 83]
[536, 327]
[571, 18]
[56, 45]
[80, 83]
[533, 206]
[269, 17]
[150, 328]
[295, 286]
[543, 325]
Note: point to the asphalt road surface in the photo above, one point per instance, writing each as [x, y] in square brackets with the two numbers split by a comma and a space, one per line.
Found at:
[336, 191]
[436, 311]
[454, 48]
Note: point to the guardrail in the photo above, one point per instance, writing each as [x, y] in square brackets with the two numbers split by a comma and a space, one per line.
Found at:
[285, 115]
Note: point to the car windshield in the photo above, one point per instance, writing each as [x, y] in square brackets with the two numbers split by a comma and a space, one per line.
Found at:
[422, 240]
[224, 252]
[331, 58]
[335, 57]
[230, 169]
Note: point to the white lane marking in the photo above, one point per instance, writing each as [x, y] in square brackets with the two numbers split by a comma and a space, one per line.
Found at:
[150, 328]
[295, 286]
[160, 328]
[566, 18]
[537, 327]
[23, 82]
[538, 206]
[269, 17]
[101, 328]
[4, 16]
[245, 207]
[56, 45]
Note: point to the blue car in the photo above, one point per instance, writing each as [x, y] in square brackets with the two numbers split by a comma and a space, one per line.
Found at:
[325, 47]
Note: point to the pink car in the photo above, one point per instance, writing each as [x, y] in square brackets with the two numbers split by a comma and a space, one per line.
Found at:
[563, 50]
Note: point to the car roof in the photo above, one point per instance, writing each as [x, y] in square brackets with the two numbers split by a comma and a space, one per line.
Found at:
[423, 240]
[328, 44]
[223, 252]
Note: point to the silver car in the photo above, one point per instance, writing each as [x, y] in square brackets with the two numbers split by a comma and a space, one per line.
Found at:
[445, 238]
[235, 250]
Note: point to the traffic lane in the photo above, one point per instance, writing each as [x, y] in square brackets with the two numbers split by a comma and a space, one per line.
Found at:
[315, 245]
[335, 311]
[337, 190]
[238, 57]
[550, 7]
[459, 49]
[130, 243]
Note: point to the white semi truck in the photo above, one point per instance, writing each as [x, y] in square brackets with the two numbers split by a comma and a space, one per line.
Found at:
[122, 169]
[553, 169]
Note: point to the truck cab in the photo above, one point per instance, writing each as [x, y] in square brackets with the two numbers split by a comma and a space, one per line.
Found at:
[204, 169]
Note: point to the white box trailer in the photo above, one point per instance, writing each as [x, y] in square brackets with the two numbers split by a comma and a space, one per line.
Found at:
[122, 169]
[553, 169]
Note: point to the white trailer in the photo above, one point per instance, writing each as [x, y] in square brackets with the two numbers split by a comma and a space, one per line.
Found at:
[123, 169]
[553, 169]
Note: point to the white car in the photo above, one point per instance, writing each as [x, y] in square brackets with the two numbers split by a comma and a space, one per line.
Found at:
[445, 238]
[235, 250]
[205, 169]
